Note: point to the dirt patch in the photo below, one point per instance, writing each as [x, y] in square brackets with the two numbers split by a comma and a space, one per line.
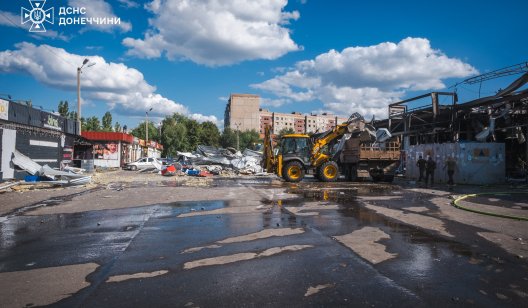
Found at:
[43, 286]
[364, 243]
[266, 233]
[314, 290]
[422, 221]
[120, 278]
[220, 260]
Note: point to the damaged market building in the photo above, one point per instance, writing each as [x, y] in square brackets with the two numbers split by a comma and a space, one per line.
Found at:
[486, 136]
[44, 137]
[115, 149]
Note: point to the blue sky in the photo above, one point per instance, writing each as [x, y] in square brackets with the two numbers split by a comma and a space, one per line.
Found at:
[309, 56]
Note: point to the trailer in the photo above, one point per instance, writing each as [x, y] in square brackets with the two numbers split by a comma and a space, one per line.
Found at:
[375, 161]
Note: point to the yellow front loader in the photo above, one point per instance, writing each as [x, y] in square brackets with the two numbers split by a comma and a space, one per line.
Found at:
[298, 154]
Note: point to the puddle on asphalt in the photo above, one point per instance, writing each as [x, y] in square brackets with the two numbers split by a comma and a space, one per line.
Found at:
[46, 203]
[345, 195]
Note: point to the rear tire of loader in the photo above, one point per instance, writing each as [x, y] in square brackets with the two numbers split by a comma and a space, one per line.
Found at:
[293, 171]
[329, 172]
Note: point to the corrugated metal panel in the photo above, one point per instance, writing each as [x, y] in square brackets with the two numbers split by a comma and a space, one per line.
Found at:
[71, 126]
[18, 113]
[7, 149]
[1, 147]
[478, 163]
[39, 152]
[34, 117]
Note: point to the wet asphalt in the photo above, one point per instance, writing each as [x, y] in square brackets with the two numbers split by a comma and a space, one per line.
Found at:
[429, 270]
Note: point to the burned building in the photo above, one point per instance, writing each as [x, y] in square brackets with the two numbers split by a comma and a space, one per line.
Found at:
[498, 124]
[45, 137]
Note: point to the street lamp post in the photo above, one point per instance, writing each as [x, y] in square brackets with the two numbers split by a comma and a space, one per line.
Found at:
[146, 128]
[79, 71]
[237, 131]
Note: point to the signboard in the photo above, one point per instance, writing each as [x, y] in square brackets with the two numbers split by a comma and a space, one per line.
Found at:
[51, 121]
[106, 151]
[4, 109]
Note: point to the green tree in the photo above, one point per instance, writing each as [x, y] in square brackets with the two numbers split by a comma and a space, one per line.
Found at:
[209, 134]
[107, 122]
[248, 139]
[117, 127]
[72, 115]
[63, 108]
[193, 133]
[228, 138]
[92, 124]
[286, 131]
[174, 135]
[140, 132]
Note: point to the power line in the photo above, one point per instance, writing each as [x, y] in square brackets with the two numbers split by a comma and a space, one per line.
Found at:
[45, 46]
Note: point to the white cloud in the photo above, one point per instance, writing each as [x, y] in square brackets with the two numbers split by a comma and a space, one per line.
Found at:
[128, 3]
[100, 9]
[202, 118]
[124, 89]
[215, 33]
[366, 79]
[267, 102]
[9, 19]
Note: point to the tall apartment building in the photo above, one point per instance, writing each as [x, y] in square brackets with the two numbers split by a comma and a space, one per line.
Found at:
[243, 113]
[301, 124]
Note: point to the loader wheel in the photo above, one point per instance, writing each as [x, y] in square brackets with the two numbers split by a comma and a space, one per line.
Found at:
[329, 172]
[293, 172]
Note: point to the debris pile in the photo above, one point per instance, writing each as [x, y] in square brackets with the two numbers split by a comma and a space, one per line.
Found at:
[208, 160]
[45, 174]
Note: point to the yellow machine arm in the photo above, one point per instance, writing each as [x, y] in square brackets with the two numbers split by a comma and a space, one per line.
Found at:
[317, 157]
[268, 161]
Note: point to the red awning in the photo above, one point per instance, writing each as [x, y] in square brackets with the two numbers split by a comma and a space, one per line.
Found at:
[108, 136]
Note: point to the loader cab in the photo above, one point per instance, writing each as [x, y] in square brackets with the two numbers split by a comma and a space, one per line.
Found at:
[296, 146]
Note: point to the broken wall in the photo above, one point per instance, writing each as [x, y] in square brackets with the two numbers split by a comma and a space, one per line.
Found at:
[478, 163]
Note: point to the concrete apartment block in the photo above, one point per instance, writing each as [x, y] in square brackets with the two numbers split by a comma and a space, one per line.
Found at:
[242, 112]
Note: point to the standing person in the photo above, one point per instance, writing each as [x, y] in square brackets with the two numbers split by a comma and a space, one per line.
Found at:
[451, 166]
[421, 166]
[429, 170]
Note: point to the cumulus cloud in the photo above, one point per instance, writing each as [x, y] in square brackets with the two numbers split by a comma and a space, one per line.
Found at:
[100, 9]
[216, 33]
[366, 79]
[124, 89]
[203, 118]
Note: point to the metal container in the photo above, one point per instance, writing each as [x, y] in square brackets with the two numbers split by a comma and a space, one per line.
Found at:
[88, 165]
[477, 163]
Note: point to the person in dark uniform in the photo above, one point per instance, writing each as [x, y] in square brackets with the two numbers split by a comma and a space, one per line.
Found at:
[421, 166]
[451, 166]
[429, 170]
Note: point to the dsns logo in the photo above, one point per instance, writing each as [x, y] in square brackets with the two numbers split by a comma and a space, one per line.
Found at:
[37, 16]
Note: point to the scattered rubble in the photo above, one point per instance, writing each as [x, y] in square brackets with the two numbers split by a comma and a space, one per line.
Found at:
[46, 175]
[208, 161]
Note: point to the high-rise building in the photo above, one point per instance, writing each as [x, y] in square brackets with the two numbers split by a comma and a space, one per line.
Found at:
[243, 113]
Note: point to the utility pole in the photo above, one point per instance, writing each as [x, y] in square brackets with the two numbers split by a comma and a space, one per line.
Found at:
[146, 129]
[79, 98]
[79, 71]
[237, 131]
